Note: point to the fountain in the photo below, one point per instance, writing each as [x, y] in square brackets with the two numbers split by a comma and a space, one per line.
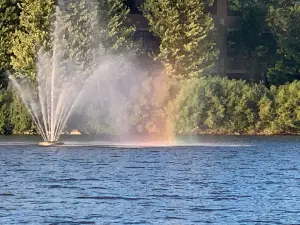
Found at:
[52, 102]
[53, 95]
[64, 80]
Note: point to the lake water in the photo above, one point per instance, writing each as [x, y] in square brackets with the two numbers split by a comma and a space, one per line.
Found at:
[205, 180]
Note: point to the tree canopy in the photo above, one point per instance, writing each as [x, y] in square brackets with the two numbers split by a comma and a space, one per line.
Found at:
[185, 30]
[284, 23]
[32, 34]
[9, 22]
[259, 41]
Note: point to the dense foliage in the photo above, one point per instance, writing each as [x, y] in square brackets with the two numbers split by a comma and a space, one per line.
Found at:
[14, 117]
[185, 30]
[267, 38]
[220, 105]
[285, 26]
[252, 38]
[32, 34]
[118, 36]
[9, 22]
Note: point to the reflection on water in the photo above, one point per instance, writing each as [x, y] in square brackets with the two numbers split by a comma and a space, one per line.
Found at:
[223, 180]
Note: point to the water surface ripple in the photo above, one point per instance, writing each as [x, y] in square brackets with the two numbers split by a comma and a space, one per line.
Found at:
[253, 184]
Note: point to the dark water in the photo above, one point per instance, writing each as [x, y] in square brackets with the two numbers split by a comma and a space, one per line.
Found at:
[224, 180]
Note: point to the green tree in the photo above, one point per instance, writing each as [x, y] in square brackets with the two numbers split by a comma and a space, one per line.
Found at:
[187, 44]
[119, 36]
[4, 102]
[14, 117]
[80, 28]
[284, 23]
[93, 29]
[214, 104]
[9, 21]
[77, 33]
[19, 118]
[288, 107]
[252, 38]
[32, 34]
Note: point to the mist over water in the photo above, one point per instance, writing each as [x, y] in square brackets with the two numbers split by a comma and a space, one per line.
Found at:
[108, 96]
[79, 89]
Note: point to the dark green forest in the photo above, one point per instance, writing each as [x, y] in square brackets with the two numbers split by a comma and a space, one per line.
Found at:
[196, 99]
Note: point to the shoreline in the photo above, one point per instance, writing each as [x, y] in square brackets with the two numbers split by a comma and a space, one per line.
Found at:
[198, 133]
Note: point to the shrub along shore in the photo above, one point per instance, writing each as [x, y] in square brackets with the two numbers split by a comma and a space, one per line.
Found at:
[216, 105]
[207, 105]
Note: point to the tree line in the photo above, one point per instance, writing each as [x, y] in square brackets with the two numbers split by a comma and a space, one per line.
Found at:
[198, 100]
[267, 39]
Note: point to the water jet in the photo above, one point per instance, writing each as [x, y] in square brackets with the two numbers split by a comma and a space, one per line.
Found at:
[54, 93]
[73, 85]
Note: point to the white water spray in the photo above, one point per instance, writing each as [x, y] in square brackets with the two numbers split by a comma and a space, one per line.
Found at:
[63, 86]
